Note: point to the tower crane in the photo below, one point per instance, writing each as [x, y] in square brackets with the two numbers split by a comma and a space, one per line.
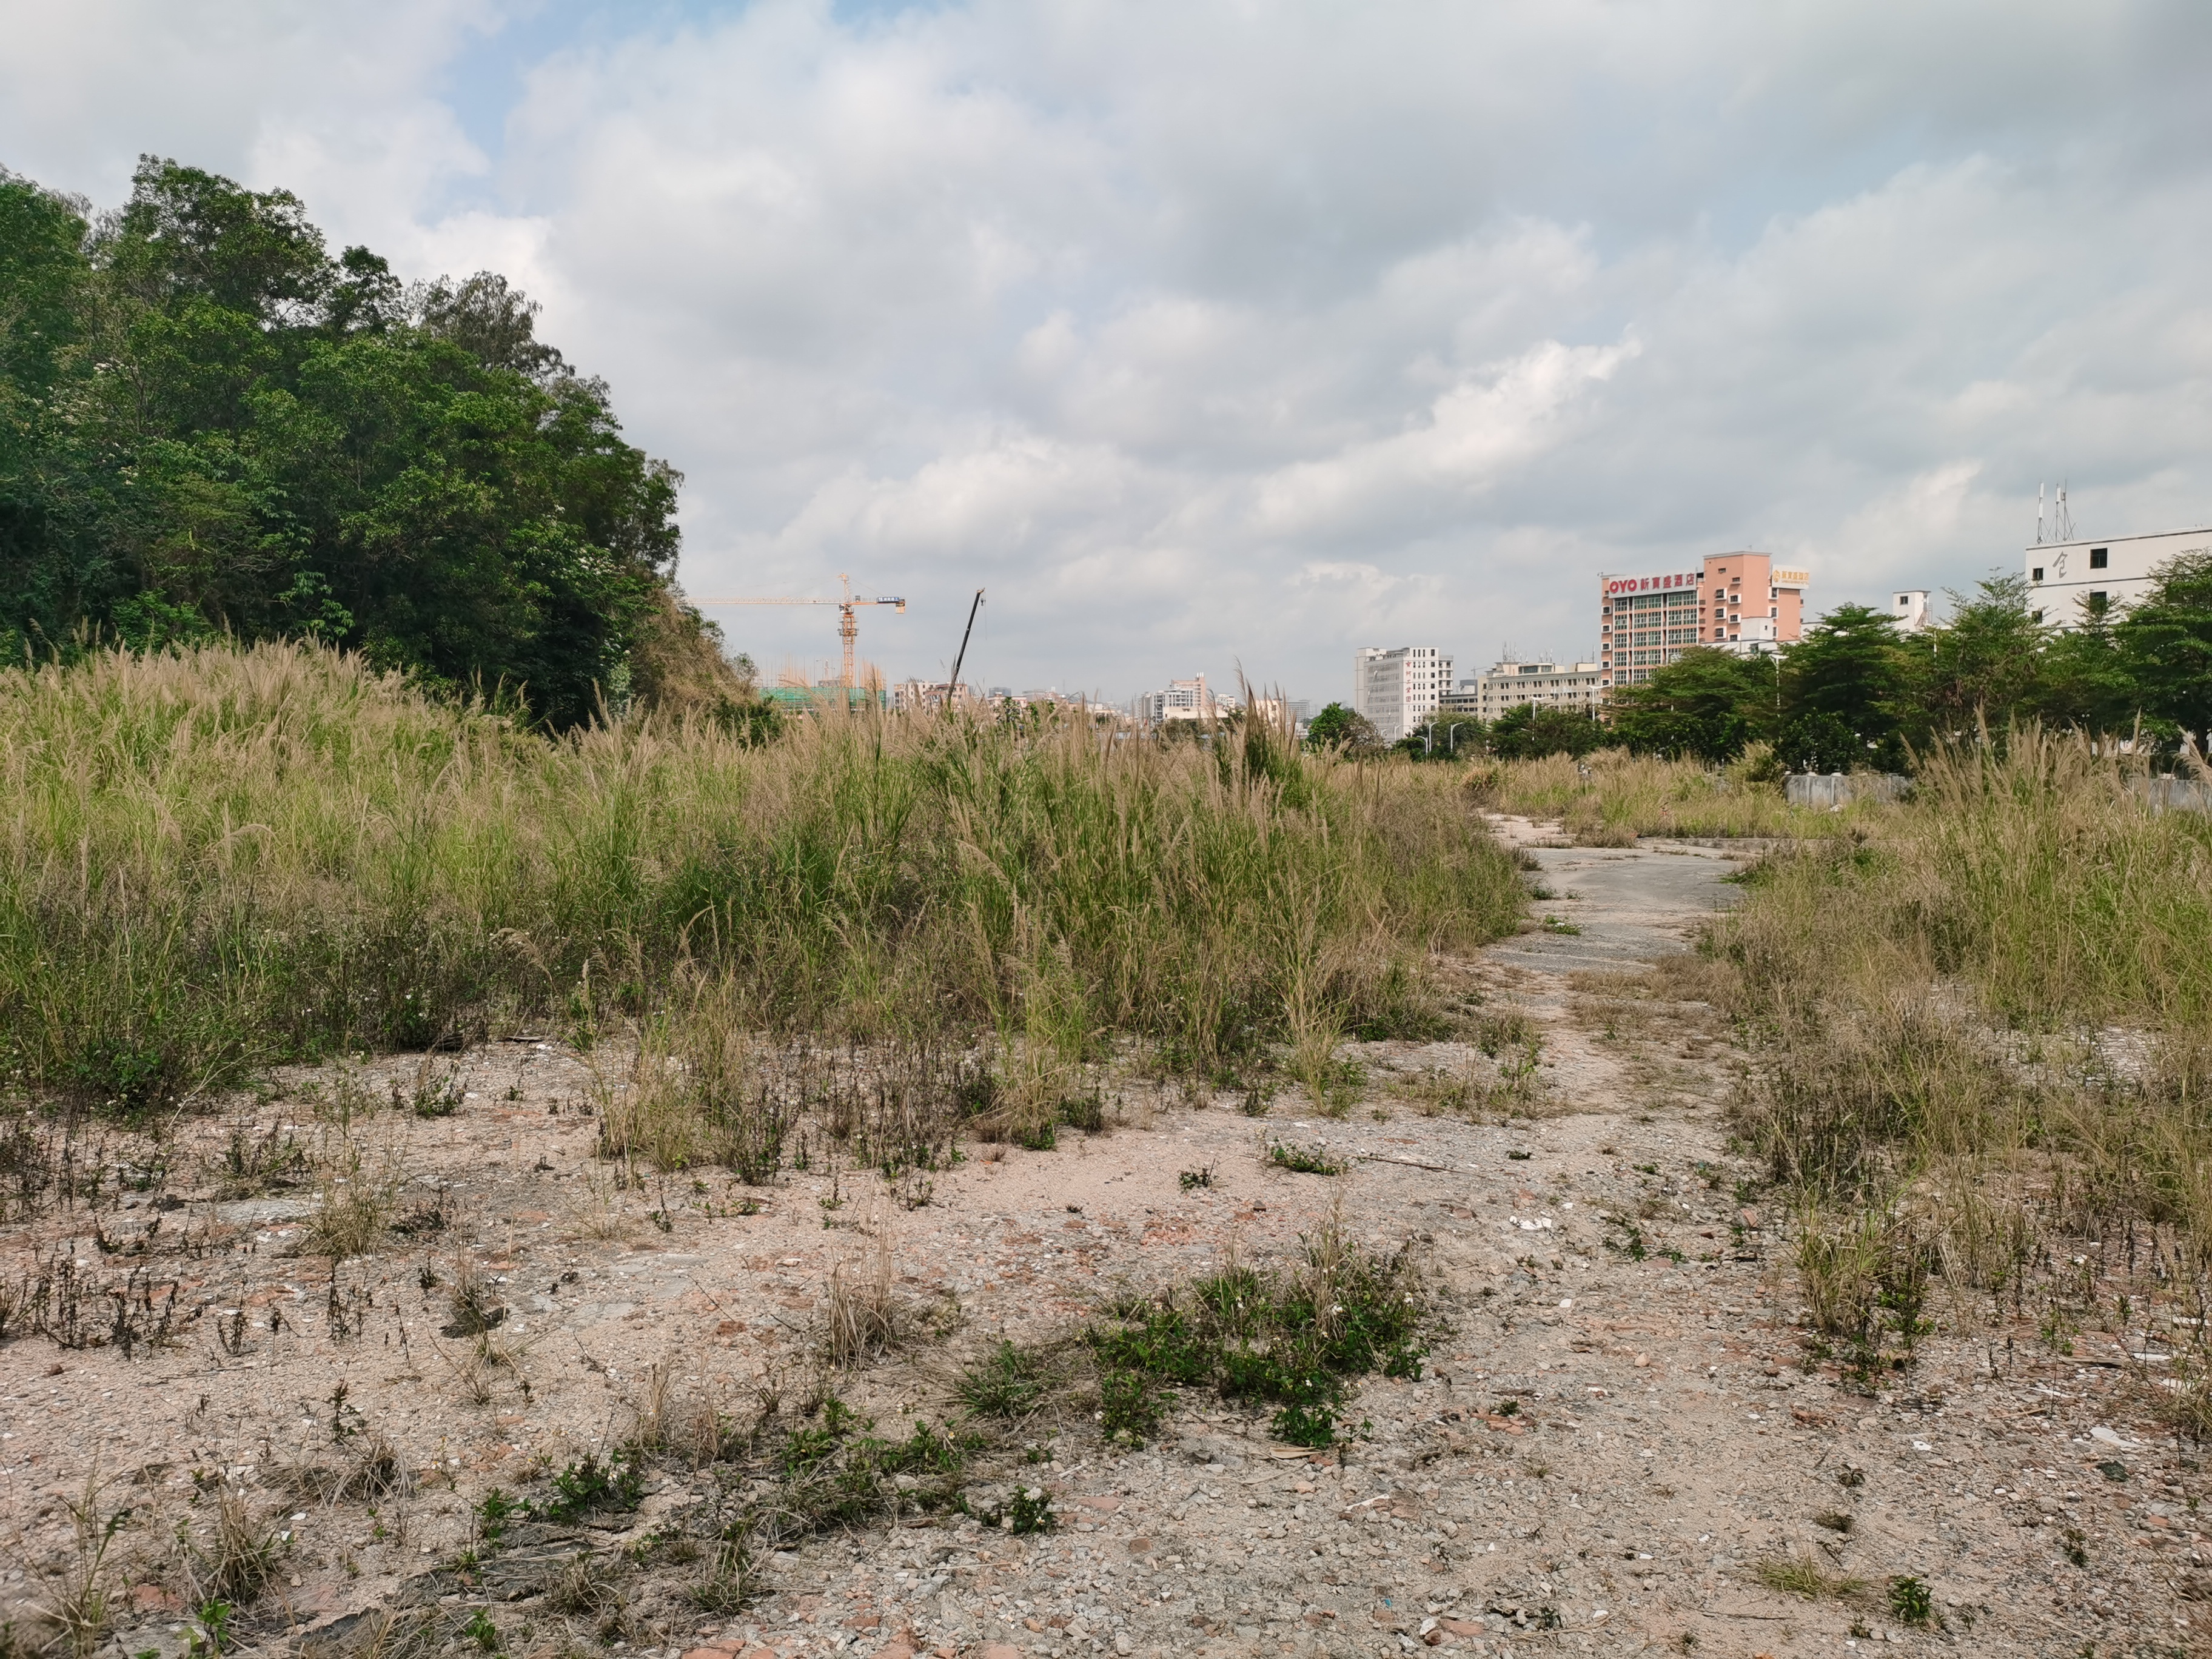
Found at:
[849, 626]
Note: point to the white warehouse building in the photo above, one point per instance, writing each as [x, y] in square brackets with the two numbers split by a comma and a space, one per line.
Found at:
[1397, 689]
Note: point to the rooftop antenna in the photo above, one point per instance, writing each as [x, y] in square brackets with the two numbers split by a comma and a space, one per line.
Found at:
[2065, 519]
[2039, 515]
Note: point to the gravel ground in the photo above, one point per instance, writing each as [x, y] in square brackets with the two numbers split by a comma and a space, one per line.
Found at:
[1618, 1423]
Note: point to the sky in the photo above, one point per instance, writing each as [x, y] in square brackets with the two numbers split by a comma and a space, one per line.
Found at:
[1227, 335]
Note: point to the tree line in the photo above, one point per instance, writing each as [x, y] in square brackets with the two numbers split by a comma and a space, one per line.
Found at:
[210, 425]
[1856, 693]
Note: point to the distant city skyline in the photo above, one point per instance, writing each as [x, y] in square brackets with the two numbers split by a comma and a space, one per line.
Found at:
[1208, 336]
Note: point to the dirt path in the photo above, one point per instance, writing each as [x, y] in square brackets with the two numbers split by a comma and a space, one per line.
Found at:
[1616, 1428]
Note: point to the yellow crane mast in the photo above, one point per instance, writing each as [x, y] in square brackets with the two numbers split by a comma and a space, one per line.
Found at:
[849, 625]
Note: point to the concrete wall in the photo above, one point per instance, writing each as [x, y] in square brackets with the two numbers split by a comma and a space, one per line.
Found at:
[2174, 795]
[1837, 790]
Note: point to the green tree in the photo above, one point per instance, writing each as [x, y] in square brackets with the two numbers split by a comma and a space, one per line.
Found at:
[209, 424]
[1849, 674]
[2164, 646]
[1707, 704]
[1985, 665]
[1338, 727]
[1528, 733]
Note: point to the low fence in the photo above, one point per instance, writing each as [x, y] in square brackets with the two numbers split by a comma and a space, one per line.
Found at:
[1834, 790]
[1831, 792]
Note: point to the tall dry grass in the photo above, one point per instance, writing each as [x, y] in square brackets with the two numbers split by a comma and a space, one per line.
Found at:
[216, 859]
[1981, 1035]
[1610, 797]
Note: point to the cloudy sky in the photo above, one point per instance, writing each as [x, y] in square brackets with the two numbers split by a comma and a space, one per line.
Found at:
[1204, 332]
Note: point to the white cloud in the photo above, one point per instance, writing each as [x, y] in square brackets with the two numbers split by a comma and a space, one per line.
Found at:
[1205, 332]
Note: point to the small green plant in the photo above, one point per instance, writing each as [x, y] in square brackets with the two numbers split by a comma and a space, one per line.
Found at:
[1028, 1511]
[1192, 1180]
[1037, 1137]
[1561, 925]
[494, 1513]
[432, 1094]
[1317, 1160]
[1304, 1425]
[1519, 1156]
[1009, 1381]
[1631, 1244]
[1130, 1409]
[1085, 1112]
[1910, 1599]
[2073, 1544]
[481, 1631]
[588, 1486]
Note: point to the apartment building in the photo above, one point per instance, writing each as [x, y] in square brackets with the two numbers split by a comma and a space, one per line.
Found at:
[1399, 689]
[1739, 602]
[2070, 582]
[1544, 685]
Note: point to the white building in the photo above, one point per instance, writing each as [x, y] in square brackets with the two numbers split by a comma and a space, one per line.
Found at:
[1397, 689]
[2068, 579]
[1546, 684]
[1908, 610]
[1182, 700]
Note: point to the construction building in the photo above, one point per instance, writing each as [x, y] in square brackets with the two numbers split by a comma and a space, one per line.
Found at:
[2068, 582]
[1399, 689]
[1736, 602]
[1544, 685]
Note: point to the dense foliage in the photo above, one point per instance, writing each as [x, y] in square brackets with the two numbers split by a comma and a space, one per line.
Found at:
[210, 425]
[1856, 693]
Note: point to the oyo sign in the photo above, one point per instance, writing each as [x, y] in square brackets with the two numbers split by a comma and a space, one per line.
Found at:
[1649, 584]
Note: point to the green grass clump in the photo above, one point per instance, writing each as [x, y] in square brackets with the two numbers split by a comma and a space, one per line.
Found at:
[219, 859]
[1305, 1160]
[1294, 1340]
[1008, 1382]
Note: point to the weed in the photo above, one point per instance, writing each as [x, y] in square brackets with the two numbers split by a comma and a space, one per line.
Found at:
[1026, 1510]
[591, 1486]
[1911, 1601]
[1836, 1521]
[863, 1319]
[1130, 1407]
[472, 1304]
[431, 1093]
[1292, 1339]
[1796, 1575]
[1192, 1180]
[481, 1631]
[1316, 1159]
[1211, 902]
[1009, 1383]
[79, 1607]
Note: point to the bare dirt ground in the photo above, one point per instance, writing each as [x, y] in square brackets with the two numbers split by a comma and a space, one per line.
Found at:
[1616, 1425]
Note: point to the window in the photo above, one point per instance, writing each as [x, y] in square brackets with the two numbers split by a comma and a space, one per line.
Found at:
[2099, 557]
[2036, 574]
[2096, 602]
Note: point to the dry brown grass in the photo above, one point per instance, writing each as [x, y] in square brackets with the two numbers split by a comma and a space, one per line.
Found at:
[213, 861]
[1983, 1032]
[863, 1317]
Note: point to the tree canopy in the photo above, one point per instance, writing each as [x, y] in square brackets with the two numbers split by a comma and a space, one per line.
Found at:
[1855, 693]
[209, 424]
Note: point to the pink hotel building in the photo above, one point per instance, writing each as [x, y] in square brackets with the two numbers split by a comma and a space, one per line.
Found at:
[1739, 602]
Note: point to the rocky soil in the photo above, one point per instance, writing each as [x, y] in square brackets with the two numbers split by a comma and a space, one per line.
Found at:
[1620, 1441]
